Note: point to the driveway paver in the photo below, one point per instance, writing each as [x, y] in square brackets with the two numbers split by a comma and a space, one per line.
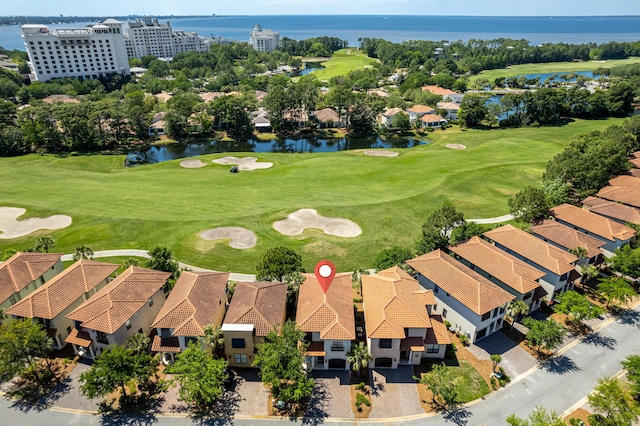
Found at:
[252, 397]
[394, 393]
[331, 395]
[72, 397]
[515, 360]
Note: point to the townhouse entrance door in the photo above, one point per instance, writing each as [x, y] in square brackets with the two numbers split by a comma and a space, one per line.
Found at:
[405, 357]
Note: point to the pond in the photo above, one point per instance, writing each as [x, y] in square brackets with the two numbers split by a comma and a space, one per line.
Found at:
[308, 69]
[160, 153]
[544, 76]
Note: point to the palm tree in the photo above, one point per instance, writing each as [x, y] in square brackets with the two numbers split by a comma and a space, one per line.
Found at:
[517, 308]
[83, 252]
[213, 337]
[359, 357]
[139, 342]
[45, 243]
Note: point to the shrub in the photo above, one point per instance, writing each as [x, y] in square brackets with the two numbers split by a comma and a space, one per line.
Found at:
[361, 399]
[357, 300]
[464, 339]
[447, 324]
[360, 386]
[494, 383]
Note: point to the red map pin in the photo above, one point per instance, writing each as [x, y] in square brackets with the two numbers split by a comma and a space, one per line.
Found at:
[325, 271]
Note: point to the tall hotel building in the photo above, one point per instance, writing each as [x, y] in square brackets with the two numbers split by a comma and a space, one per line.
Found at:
[90, 52]
[148, 37]
[264, 40]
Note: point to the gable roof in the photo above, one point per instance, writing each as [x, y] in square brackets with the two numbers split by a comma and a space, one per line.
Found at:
[461, 282]
[21, 269]
[534, 249]
[567, 237]
[390, 304]
[612, 209]
[626, 181]
[591, 222]
[512, 271]
[451, 106]
[193, 303]
[330, 314]
[57, 294]
[621, 194]
[119, 300]
[262, 304]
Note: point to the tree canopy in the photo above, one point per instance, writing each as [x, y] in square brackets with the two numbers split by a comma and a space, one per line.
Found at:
[530, 204]
[544, 334]
[577, 306]
[22, 343]
[278, 262]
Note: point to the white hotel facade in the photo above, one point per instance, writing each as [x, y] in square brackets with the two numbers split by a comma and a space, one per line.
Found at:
[148, 37]
[264, 40]
[89, 52]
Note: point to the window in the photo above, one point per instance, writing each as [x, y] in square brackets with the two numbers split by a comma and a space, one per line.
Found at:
[69, 330]
[444, 313]
[564, 277]
[127, 324]
[384, 344]
[240, 358]
[486, 316]
[150, 301]
[436, 289]
[433, 349]
[102, 337]
[337, 345]
[237, 343]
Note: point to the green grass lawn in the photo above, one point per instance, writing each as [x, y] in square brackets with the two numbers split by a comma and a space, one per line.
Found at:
[118, 260]
[551, 67]
[164, 204]
[343, 61]
[471, 385]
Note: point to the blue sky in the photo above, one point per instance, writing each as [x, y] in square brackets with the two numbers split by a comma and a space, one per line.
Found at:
[311, 7]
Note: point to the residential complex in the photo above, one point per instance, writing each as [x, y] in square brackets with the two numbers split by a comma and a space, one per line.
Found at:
[264, 40]
[148, 37]
[91, 52]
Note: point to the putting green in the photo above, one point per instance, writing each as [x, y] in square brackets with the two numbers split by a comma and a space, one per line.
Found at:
[164, 204]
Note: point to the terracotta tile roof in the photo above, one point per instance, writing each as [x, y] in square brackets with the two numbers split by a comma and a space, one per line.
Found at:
[595, 224]
[390, 304]
[330, 314]
[512, 271]
[79, 337]
[421, 109]
[636, 154]
[621, 194]
[612, 209]
[315, 349]
[262, 304]
[116, 302]
[534, 249]
[193, 303]
[462, 283]
[21, 269]
[432, 118]
[438, 90]
[326, 114]
[165, 344]
[415, 344]
[52, 99]
[438, 333]
[393, 111]
[634, 172]
[57, 294]
[626, 182]
[569, 238]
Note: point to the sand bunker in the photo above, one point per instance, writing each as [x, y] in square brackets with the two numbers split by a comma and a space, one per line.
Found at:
[380, 153]
[241, 238]
[10, 227]
[455, 146]
[192, 164]
[246, 163]
[298, 221]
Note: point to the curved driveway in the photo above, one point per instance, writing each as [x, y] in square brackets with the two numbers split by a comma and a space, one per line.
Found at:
[558, 385]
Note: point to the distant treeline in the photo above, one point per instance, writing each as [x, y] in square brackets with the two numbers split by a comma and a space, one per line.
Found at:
[21, 20]
[477, 55]
[312, 47]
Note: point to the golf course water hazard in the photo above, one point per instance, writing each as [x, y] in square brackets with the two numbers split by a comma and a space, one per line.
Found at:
[160, 153]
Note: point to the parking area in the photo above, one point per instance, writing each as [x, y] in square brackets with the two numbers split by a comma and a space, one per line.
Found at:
[331, 395]
[515, 360]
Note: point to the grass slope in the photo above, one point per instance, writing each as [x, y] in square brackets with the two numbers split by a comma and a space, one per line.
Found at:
[342, 62]
[551, 67]
[116, 208]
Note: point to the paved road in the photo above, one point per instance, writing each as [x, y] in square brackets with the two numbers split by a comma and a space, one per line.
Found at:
[559, 385]
[491, 220]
